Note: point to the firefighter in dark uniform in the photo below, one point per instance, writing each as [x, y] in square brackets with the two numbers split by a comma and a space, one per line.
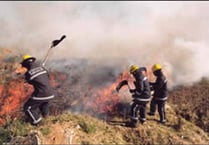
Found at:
[141, 96]
[37, 105]
[160, 93]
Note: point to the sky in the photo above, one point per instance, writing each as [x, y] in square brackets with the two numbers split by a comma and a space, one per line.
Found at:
[174, 34]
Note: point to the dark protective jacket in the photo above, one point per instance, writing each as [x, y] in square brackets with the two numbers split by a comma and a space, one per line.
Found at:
[39, 78]
[142, 87]
[159, 86]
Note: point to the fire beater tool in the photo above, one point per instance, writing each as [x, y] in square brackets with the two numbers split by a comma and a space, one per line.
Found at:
[121, 84]
[53, 44]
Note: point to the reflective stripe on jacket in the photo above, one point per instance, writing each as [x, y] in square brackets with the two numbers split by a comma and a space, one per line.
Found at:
[39, 78]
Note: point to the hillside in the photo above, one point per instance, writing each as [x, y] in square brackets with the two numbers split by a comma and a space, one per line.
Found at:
[191, 102]
[70, 128]
[98, 115]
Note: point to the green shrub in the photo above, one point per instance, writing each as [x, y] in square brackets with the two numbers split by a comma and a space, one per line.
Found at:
[18, 128]
[5, 135]
[87, 127]
[45, 131]
[13, 128]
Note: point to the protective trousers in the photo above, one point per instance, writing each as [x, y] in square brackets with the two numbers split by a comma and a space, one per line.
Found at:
[138, 107]
[34, 109]
[161, 108]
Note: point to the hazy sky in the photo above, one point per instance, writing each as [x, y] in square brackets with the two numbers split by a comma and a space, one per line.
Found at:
[175, 34]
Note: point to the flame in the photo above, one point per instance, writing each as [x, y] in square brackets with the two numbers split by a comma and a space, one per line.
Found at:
[12, 95]
[106, 100]
[15, 93]
[94, 101]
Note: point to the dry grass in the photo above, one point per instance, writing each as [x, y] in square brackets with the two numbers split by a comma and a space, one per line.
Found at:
[186, 108]
[70, 129]
[192, 103]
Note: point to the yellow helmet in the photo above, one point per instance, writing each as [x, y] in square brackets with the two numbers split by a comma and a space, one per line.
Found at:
[133, 68]
[25, 57]
[156, 67]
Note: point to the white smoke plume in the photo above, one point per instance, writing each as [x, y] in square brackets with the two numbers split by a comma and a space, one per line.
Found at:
[175, 34]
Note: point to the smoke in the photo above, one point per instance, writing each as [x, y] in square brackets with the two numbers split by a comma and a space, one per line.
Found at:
[116, 34]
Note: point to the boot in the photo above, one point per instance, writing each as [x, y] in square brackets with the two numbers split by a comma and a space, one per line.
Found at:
[162, 121]
[151, 113]
[131, 124]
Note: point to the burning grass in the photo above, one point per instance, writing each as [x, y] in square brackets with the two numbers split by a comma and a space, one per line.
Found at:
[97, 101]
[103, 102]
[13, 92]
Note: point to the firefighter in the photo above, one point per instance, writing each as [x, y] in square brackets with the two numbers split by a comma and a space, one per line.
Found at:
[37, 105]
[141, 96]
[160, 93]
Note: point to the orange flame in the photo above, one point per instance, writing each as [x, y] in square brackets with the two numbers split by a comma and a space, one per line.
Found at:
[12, 95]
[107, 98]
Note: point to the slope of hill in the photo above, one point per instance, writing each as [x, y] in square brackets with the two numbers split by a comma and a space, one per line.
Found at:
[187, 114]
[70, 128]
[191, 102]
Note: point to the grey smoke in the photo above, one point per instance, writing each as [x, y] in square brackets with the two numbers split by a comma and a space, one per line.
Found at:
[174, 34]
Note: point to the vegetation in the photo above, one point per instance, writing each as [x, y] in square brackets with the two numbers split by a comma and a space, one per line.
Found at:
[84, 129]
[191, 102]
[187, 113]
[13, 128]
[87, 127]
